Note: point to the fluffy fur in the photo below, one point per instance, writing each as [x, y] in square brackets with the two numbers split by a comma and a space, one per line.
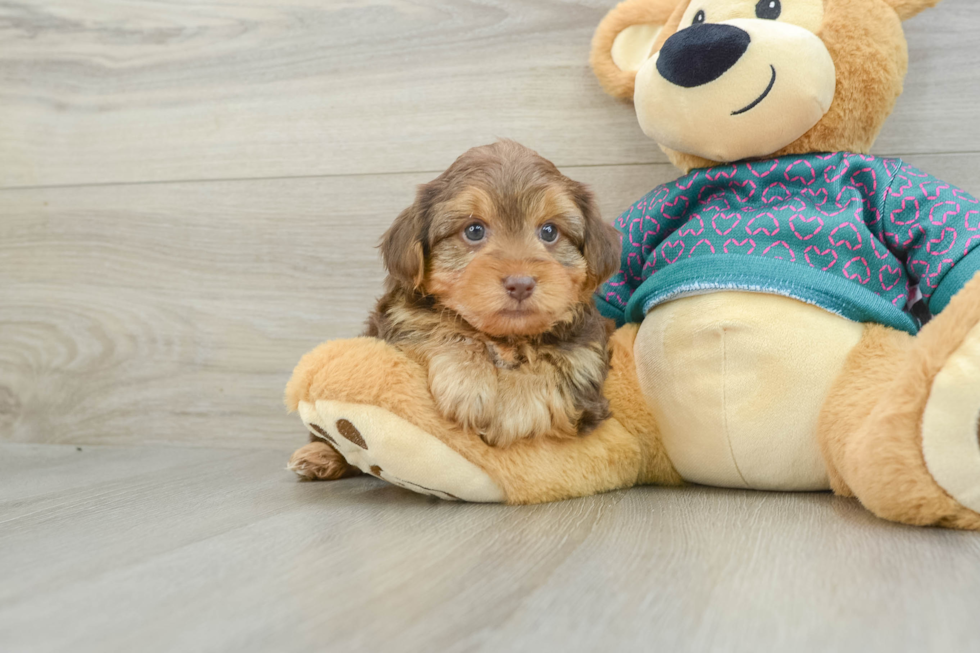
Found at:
[500, 365]
[318, 461]
[868, 48]
[616, 82]
[870, 428]
[504, 368]
[876, 453]
[370, 371]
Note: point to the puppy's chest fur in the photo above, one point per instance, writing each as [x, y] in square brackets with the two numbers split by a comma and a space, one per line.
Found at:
[504, 389]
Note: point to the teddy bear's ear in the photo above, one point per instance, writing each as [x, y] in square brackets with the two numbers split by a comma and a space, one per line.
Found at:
[631, 32]
[908, 8]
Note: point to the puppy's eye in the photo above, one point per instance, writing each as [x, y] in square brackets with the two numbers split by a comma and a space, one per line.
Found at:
[548, 232]
[768, 9]
[475, 232]
[699, 18]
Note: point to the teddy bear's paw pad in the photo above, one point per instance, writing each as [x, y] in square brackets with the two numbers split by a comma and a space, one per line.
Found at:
[950, 443]
[382, 444]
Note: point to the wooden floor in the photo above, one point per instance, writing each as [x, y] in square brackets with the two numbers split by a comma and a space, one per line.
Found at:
[190, 195]
[179, 549]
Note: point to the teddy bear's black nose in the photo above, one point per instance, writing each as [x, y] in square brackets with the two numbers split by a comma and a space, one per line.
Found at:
[701, 54]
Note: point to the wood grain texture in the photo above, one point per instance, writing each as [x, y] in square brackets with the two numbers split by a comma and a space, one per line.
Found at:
[97, 91]
[174, 313]
[201, 550]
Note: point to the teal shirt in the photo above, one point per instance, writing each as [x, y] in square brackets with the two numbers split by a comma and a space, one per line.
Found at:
[853, 234]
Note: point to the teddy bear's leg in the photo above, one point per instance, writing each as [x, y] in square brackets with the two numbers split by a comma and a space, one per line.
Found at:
[900, 429]
[373, 403]
[319, 461]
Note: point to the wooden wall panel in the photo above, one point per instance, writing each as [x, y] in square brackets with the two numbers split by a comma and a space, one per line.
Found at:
[93, 91]
[190, 194]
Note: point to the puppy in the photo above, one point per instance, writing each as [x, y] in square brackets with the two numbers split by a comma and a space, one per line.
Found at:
[490, 280]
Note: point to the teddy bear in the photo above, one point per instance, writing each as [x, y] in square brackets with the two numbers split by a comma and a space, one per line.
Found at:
[765, 334]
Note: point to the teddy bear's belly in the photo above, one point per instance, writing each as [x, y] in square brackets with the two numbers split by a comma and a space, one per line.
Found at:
[737, 381]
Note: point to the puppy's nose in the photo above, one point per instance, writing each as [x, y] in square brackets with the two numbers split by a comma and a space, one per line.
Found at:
[701, 54]
[519, 287]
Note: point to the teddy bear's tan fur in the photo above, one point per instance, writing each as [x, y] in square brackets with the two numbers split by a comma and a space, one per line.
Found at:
[865, 39]
[870, 428]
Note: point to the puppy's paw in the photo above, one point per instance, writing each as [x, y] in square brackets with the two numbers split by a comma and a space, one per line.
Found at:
[318, 461]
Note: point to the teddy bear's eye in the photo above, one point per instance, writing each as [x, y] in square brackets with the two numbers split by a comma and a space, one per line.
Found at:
[768, 9]
[699, 18]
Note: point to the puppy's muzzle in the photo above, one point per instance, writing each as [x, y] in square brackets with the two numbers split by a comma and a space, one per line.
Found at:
[701, 54]
[519, 288]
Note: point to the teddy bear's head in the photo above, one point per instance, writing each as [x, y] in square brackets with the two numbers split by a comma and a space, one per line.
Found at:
[725, 80]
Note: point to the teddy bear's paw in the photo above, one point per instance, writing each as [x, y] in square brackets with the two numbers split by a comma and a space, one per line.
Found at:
[950, 439]
[384, 445]
[318, 461]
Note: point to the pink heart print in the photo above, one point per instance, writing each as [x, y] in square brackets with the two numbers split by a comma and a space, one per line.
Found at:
[634, 266]
[972, 221]
[769, 225]
[743, 190]
[877, 218]
[889, 277]
[722, 172]
[940, 187]
[825, 259]
[952, 210]
[666, 208]
[704, 250]
[857, 269]
[677, 247]
[932, 280]
[638, 235]
[842, 202]
[762, 171]
[908, 203]
[689, 228]
[913, 232]
[781, 251]
[849, 237]
[714, 199]
[867, 180]
[690, 182]
[806, 234]
[919, 269]
[745, 246]
[969, 244]
[943, 244]
[727, 222]
[804, 172]
[775, 192]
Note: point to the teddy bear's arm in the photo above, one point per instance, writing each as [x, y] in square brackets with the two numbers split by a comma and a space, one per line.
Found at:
[371, 403]
[935, 227]
[640, 234]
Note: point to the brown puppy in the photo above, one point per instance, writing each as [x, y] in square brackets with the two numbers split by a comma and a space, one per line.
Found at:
[490, 279]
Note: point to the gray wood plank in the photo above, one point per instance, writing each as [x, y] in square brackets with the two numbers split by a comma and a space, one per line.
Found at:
[174, 313]
[233, 554]
[100, 91]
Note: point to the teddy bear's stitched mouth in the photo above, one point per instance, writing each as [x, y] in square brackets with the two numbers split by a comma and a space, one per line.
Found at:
[772, 82]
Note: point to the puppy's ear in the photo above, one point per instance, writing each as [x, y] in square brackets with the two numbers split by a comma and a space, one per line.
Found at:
[602, 246]
[403, 245]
